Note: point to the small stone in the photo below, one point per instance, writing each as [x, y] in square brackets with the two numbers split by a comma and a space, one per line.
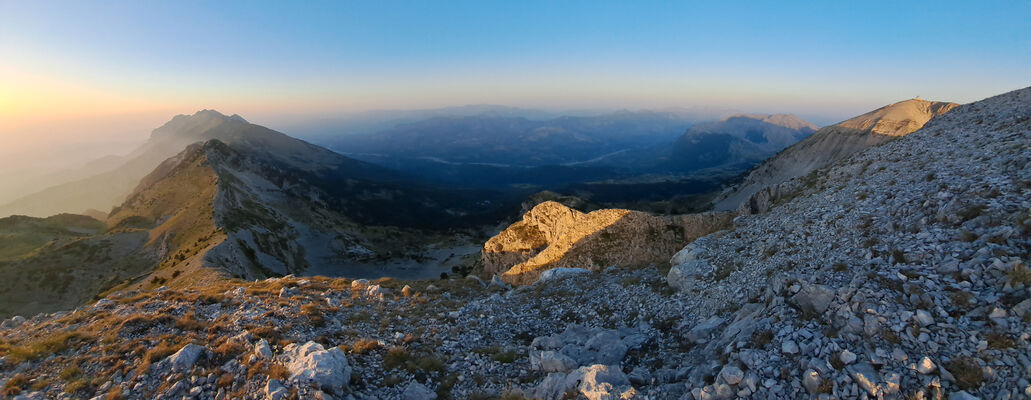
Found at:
[866, 377]
[789, 347]
[418, 391]
[811, 381]
[184, 359]
[925, 366]
[732, 375]
[847, 357]
[274, 390]
[262, 350]
[962, 395]
[923, 317]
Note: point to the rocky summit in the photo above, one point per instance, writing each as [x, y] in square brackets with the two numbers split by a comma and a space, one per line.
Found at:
[897, 272]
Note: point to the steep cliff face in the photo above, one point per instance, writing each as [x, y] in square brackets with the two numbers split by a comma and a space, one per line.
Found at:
[552, 235]
[834, 143]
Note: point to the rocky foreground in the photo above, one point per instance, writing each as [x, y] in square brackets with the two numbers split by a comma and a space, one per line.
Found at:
[900, 272]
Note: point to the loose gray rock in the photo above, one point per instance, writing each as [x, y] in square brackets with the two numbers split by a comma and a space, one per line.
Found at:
[417, 391]
[312, 362]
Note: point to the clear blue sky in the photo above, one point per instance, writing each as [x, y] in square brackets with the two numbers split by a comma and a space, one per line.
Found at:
[833, 58]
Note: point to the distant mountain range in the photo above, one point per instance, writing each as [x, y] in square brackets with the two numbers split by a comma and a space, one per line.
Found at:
[734, 143]
[498, 152]
[516, 141]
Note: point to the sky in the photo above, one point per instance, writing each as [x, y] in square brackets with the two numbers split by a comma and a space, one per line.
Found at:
[111, 71]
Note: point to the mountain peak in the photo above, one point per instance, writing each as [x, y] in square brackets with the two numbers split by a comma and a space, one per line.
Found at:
[899, 119]
[791, 121]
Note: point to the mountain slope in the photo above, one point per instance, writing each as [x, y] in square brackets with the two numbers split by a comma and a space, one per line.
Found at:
[899, 271]
[237, 211]
[108, 189]
[834, 143]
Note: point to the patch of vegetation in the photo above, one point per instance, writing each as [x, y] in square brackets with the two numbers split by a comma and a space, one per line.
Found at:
[723, 271]
[396, 357]
[76, 386]
[15, 385]
[835, 360]
[967, 371]
[885, 282]
[363, 346]
[496, 353]
[891, 337]
[157, 353]
[115, 394]
[1000, 341]
[189, 322]
[271, 370]
[1019, 274]
[961, 299]
[762, 338]
[228, 350]
[70, 373]
[44, 347]
[265, 332]
[972, 212]
[314, 314]
[899, 256]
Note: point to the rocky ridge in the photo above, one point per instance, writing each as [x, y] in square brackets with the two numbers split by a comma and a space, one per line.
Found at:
[834, 143]
[898, 272]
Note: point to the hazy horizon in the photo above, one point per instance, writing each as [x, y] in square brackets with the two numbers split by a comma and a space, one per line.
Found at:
[80, 74]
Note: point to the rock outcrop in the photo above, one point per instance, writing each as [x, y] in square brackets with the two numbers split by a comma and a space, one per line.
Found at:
[831, 144]
[311, 362]
[552, 235]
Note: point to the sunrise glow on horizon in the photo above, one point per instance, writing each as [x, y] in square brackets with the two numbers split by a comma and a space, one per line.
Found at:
[134, 65]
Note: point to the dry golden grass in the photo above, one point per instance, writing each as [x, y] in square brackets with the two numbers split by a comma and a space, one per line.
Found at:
[157, 353]
[115, 394]
[226, 380]
[271, 370]
[228, 350]
[39, 348]
[189, 322]
[363, 346]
